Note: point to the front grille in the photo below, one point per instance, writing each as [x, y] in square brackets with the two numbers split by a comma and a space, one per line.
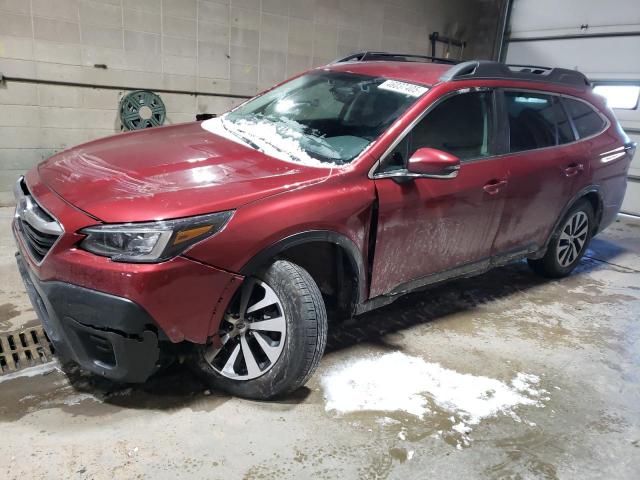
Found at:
[38, 229]
[38, 243]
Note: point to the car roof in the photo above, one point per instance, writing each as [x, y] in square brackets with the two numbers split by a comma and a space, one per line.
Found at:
[414, 72]
[437, 70]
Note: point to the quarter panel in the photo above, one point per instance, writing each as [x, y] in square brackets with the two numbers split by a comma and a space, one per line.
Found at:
[608, 169]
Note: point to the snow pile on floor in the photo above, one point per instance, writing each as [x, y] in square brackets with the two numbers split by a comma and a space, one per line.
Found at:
[398, 382]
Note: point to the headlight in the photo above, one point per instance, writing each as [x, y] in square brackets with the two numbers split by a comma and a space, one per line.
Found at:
[151, 242]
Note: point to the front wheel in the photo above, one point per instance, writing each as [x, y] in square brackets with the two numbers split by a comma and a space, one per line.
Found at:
[271, 337]
[568, 243]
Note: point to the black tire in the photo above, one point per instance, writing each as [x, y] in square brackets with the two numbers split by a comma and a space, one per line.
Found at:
[305, 339]
[549, 266]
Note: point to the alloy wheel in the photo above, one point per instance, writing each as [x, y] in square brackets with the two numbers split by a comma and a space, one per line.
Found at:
[573, 237]
[252, 333]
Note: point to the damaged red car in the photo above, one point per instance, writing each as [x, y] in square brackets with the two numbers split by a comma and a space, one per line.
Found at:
[327, 196]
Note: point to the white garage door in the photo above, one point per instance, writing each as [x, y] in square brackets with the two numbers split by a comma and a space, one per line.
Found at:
[599, 38]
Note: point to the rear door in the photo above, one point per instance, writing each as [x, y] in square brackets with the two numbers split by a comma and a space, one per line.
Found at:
[543, 166]
[427, 226]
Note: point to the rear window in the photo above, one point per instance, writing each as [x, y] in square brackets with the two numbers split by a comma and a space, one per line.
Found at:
[587, 121]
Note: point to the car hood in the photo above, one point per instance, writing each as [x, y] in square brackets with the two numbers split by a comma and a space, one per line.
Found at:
[169, 172]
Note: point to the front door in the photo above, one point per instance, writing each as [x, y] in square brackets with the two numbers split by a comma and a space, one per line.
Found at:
[427, 226]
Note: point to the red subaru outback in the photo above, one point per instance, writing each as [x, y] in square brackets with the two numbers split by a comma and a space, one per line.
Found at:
[336, 191]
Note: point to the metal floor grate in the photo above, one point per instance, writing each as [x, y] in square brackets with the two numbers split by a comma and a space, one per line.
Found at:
[24, 348]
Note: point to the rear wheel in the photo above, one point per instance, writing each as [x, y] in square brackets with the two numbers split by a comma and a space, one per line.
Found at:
[271, 337]
[568, 243]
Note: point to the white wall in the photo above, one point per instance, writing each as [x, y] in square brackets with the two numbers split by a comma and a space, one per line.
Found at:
[222, 46]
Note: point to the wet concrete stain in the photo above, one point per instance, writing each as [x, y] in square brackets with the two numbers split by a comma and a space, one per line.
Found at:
[608, 422]
[461, 297]
[81, 394]
[524, 457]
[509, 304]
[7, 312]
[538, 311]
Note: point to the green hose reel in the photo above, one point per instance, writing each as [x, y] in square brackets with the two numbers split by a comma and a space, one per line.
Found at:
[142, 109]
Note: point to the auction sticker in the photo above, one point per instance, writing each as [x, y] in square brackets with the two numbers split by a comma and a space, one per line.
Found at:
[402, 87]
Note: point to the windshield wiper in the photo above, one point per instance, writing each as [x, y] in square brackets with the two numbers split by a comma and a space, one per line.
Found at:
[288, 154]
[246, 140]
[270, 144]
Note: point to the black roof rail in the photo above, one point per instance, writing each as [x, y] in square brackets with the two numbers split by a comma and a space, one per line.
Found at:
[485, 69]
[395, 57]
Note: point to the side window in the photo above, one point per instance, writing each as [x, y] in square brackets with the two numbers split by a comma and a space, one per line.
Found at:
[587, 121]
[533, 121]
[460, 125]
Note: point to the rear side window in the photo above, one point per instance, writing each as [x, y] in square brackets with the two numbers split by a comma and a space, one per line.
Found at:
[536, 121]
[587, 121]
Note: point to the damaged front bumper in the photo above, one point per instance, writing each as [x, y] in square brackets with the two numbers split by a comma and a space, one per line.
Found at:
[105, 334]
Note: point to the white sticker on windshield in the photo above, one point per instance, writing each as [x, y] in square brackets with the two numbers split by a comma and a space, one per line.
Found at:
[401, 87]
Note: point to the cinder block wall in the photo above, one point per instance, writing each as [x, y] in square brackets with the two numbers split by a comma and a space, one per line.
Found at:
[223, 46]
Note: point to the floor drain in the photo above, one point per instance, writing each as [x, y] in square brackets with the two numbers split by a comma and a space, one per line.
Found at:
[24, 348]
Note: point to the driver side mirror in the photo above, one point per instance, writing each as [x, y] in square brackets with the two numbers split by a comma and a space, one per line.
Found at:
[433, 163]
[425, 163]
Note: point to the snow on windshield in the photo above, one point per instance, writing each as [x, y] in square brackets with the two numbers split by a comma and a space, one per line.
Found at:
[277, 140]
[320, 119]
[281, 140]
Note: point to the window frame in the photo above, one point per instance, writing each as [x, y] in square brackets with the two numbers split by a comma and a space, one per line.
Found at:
[506, 131]
[574, 129]
[500, 133]
[494, 119]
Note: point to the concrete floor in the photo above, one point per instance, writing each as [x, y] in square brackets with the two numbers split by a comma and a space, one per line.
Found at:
[580, 336]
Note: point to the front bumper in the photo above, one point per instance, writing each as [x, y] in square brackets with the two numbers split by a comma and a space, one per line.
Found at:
[185, 298]
[108, 335]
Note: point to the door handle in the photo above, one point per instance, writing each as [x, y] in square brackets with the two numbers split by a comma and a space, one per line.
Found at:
[573, 169]
[494, 186]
